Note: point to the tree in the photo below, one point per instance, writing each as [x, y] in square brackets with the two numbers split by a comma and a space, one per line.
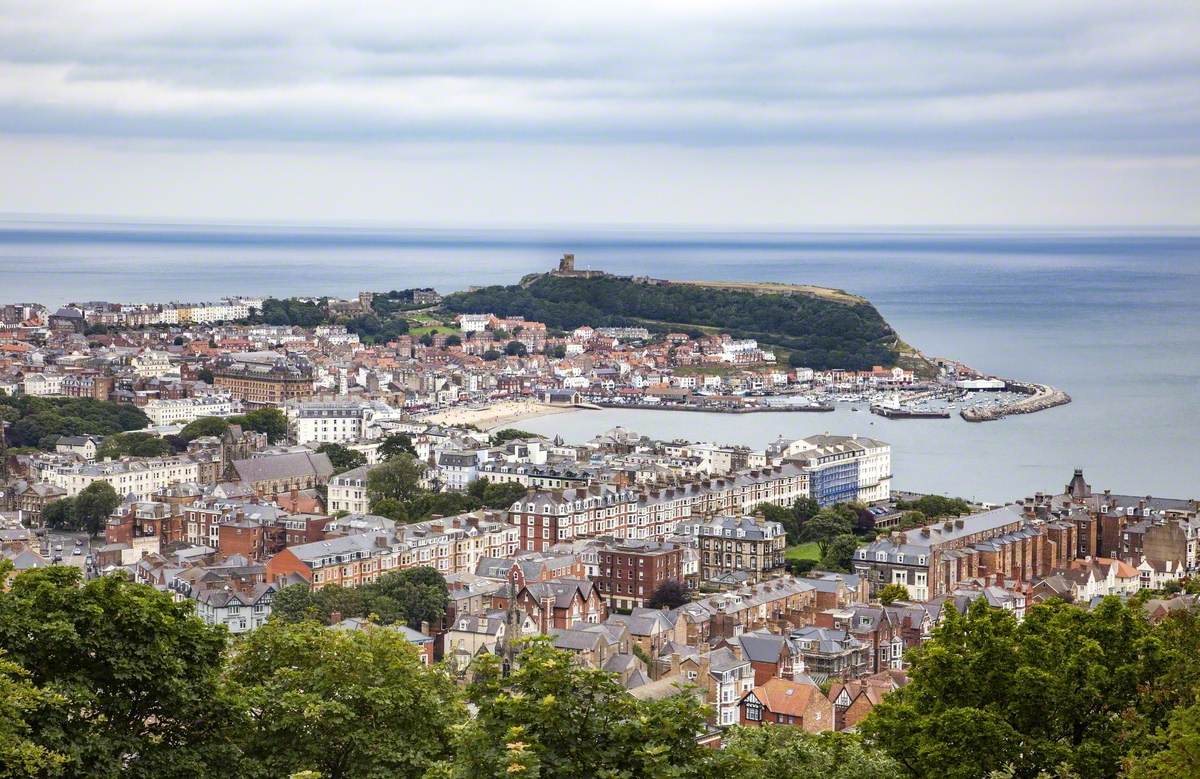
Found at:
[204, 426]
[825, 526]
[556, 352]
[495, 496]
[1176, 750]
[204, 374]
[418, 594]
[839, 551]
[1060, 688]
[491, 355]
[398, 478]
[390, 508]
[892, 593]
[60, 514]
[510, 433]
[293, 603]
[554, 717]
[934, 506]
[791, 753]
[341, 458]
[343, 703]
[453, 340]
[93, 506]
[515, 349]
[671, 593]
[21, 756]
[135, 674]
[264, 420]
[394, 444]
[133, 445]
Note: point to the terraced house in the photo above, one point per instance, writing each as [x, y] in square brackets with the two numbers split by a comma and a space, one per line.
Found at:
[748, 545]
[931, 560]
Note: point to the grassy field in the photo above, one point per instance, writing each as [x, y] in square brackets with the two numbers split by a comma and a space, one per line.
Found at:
[776, 288]
[809, 551]
[417, 332]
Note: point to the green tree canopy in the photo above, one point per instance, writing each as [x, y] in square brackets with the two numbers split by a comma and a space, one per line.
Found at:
[264, 420]
[785, 752]
[670, 594]
[133, 445]
[342, 458]
[986, 692]
[398, 478]
[204, 426]
[556, 718]
[93, 506]
[829, 523]
[344, 703]
[892, 593]
[509, 433]
[21, 756]
[135, 674]
[394, 444]
[39, 422]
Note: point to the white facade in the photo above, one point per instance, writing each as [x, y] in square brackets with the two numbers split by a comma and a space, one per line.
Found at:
[42, 384]
[336, 422]
[150, 364]
[348, 492]
[139, 477]
[184, 410]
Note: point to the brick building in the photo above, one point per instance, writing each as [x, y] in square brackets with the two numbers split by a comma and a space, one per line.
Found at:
[629, 571]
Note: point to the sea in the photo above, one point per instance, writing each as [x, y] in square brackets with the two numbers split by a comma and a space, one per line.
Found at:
[1110, 316]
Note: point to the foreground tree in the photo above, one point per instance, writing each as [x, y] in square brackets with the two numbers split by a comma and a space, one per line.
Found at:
[342, 703]
[785, 752]
[553, 717]
[21, 756]
[135, 675]
[985, 693]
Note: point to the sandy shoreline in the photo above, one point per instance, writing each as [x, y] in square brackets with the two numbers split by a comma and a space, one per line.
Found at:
[496, 415]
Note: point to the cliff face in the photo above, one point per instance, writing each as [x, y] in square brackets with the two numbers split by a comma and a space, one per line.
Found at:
[819, 328]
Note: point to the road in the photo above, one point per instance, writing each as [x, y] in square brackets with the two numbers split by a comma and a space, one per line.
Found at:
[70, 541]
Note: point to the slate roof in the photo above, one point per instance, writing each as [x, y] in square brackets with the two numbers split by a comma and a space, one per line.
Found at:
[277, 467]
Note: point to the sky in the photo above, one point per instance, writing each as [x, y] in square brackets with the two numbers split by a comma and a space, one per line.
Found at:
[670, 113]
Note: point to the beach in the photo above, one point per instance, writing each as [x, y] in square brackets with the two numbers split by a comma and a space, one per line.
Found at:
[497, 415]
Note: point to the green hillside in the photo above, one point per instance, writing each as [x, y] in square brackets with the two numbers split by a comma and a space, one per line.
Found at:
[825, 329]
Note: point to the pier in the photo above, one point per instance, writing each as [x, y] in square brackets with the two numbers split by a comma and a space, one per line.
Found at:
[1038, 397]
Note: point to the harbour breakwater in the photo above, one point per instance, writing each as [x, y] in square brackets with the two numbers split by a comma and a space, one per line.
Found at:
[712, 409]
[1037, 397]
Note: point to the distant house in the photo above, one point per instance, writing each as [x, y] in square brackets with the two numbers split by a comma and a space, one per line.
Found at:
[799, 703]
[854, 700]
[84, 446]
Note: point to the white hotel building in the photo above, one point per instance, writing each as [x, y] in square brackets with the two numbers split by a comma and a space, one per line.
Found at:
[180, 411]
[139, 477]
[336, 422]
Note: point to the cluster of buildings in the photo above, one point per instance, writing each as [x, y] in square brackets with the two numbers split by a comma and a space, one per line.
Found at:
[599, 530]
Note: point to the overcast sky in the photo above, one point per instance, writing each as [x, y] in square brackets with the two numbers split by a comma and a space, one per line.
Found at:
[692, 112]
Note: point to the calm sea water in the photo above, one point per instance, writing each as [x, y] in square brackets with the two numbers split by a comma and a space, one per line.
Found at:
[1111, 317]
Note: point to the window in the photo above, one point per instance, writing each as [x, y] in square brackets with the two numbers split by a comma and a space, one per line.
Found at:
[753, 712]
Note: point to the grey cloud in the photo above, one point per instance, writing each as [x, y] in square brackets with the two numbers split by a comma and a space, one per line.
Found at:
[1090, 77]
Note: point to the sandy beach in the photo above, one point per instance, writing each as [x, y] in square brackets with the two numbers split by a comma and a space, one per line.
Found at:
[497, 415]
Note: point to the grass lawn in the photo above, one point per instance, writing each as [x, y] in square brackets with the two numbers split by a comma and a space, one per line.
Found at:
[809, 551]
[417, 332]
